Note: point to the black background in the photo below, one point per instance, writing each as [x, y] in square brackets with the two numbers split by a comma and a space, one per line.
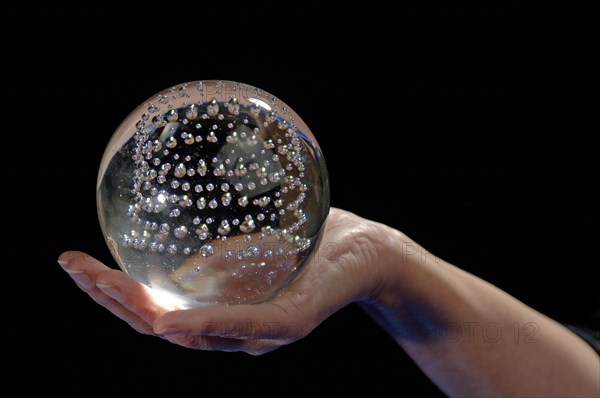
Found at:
[465, 107]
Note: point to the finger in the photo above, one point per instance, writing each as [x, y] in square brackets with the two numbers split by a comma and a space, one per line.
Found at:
[137, 323]
[268, 321]
[130, 293]
[82, 268]
[213, 343]
[106, 286]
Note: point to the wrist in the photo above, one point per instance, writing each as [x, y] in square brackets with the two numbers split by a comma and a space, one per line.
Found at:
[400, 272]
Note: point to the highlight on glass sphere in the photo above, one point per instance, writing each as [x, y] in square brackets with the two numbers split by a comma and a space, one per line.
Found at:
[212, 192]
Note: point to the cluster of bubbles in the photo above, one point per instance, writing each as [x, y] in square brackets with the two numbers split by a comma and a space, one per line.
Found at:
[212, 192]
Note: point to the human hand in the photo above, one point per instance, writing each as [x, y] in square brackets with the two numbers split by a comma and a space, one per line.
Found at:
[345, 270]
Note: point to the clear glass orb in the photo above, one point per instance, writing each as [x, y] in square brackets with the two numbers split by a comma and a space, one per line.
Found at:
[212, 192]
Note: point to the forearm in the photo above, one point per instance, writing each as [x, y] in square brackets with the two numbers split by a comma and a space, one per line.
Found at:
[472, 339]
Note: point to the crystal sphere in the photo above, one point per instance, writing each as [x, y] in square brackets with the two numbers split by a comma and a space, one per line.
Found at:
[212, 192]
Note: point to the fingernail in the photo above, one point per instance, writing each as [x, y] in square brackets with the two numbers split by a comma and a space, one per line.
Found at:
[63, 263]
[81, 278]
[110, 290]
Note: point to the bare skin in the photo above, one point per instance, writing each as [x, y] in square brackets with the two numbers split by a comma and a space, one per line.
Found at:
[469, 337]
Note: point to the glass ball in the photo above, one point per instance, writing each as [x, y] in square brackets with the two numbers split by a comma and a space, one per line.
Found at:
[212, 192]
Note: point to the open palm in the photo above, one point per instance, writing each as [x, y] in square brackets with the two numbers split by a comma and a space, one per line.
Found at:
[344, 270]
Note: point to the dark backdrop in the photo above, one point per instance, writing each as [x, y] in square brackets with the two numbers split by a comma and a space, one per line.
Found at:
[447, 122]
